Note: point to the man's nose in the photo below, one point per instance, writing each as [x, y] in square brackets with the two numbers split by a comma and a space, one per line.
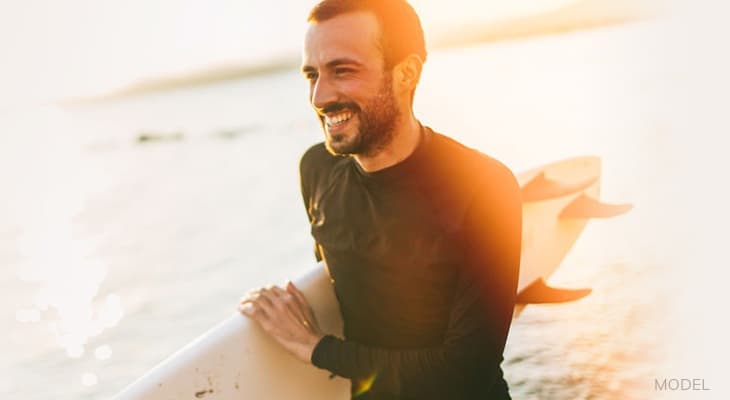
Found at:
[322, 93]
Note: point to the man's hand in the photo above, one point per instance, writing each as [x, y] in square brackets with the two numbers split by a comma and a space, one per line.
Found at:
[286, 316]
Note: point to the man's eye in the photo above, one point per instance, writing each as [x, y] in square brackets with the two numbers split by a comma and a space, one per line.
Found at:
[341, 71]
[310, 76]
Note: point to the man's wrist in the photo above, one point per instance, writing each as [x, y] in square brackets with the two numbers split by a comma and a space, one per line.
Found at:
[311, 345]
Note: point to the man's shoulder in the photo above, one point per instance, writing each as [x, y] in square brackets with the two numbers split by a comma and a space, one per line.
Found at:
[317, 158]
[471, 164]
[316, 154]
[317, 166]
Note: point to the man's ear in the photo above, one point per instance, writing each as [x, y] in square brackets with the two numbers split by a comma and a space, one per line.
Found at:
[408, 73]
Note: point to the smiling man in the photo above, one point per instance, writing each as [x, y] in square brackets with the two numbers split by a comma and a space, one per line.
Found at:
[420, 234]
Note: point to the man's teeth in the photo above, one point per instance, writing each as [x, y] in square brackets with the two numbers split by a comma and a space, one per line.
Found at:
[338, 118]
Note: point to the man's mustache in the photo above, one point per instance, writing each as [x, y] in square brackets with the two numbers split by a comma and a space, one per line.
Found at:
[337, 107]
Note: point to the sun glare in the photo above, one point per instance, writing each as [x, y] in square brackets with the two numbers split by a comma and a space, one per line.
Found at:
[56, 255]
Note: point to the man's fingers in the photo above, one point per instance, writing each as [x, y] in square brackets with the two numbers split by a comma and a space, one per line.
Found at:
[246, 300]
[253, 311]
[301, 300]
[261, 300]
[283, 304]
[247, 309]
[275, 302]
[251, 295]
[269, 297]
[296, 293]
[291, 303]
[254, 292]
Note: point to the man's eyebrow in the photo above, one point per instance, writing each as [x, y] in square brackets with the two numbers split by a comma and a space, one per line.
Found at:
[332, 64]
[341, 61]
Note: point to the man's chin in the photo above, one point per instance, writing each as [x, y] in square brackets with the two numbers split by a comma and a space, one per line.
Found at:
[338, 148]
[340, 145]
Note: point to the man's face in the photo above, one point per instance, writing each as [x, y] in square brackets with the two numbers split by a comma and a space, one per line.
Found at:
[348, 85]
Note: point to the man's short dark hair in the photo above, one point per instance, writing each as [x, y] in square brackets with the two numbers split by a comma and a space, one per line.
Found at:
[401, 33]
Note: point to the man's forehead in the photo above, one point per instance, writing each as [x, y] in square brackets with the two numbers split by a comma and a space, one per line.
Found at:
[352, 35]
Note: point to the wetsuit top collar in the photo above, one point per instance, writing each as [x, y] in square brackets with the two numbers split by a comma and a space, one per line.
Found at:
[404, 169]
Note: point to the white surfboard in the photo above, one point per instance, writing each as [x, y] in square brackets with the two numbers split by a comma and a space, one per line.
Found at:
[236, 360]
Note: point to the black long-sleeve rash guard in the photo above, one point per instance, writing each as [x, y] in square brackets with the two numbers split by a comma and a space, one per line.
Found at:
[424, 257]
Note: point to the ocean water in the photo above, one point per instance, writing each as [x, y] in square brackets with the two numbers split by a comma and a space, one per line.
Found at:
[115, 251]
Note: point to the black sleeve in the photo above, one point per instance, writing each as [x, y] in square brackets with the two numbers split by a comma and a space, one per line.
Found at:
[307, 181]
[468, 361]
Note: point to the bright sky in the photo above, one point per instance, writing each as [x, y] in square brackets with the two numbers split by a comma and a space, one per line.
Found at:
[52, 49]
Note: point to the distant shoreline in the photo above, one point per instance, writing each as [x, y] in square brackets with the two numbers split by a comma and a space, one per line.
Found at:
[582, 15]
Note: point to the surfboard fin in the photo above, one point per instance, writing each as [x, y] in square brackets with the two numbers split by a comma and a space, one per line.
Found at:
[538, 292]
[543, 188]
[587, 207]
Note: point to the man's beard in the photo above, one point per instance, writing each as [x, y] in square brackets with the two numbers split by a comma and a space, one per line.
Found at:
[377, 120]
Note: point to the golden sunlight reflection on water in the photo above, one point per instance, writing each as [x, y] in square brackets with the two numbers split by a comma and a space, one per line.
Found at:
[56, 255]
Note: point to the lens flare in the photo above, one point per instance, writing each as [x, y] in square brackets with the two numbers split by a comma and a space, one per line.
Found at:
[364, 385]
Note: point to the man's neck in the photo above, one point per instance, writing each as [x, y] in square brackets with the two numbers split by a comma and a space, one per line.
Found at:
[405, 140]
